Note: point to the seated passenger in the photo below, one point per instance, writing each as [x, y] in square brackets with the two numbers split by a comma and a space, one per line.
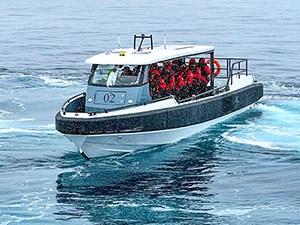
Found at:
[153, 79]
[196, 82]
[192, 78]
[153, 73]
[181, 62]
[201, 63]
[191, 63]
[181, 86]
[161, 89]
[174, 62]
[127, 71]
[166, 75]
[136, 71]
[166, 65]
[133, 76]
[205, 70]
[172, 79]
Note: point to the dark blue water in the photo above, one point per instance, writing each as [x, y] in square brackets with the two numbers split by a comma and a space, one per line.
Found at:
[243, 171]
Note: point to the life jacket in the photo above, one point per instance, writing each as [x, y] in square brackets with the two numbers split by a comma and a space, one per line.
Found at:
[161, 85]
[166, 66]
[197, 74]
[180, 83]
[154, 75]
[189, 78]
[194, 77]
[154, 71]
[172, 82]
[206, 72]
[204, 79]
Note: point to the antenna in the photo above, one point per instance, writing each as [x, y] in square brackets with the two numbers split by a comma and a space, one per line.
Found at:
[119, 41]
[165, 42]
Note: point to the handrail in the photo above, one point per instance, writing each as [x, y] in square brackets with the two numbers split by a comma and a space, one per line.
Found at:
[63, 108]
[204, 94]
[234, 66]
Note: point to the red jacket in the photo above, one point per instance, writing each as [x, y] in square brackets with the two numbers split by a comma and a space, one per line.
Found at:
[194, 76]
[161, 85]
[180, 83]
[189, 77]
[172, 81]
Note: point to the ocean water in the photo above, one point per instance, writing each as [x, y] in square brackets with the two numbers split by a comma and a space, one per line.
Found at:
[243, 171]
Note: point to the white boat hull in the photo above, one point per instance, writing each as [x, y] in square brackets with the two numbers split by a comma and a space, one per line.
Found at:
[111, 144]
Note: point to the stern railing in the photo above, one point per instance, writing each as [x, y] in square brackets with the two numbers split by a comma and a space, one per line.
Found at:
[229, 67]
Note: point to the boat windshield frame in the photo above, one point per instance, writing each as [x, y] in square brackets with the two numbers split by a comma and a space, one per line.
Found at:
[107, 75]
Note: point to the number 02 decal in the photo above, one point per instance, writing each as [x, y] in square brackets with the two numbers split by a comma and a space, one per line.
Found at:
[109, 98]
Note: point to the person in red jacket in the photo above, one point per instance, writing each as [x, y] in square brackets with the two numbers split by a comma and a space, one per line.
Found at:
[166, 66]
[171, 83]
[163, 87]
[205, 71]
[153, 79]
[193, 79]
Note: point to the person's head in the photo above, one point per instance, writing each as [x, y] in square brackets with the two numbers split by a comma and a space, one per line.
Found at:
[174, 62]
[192, 61]
[166, 64]
[180, 61]
[136, 70]
[126, 70]
[175, 67]
[154, 65]
[201, 61]
[194, 67]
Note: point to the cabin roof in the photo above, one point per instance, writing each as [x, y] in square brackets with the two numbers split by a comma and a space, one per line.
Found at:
[145, 56]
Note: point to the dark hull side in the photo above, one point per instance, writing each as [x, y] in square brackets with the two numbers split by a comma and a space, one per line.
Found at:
[180, 116]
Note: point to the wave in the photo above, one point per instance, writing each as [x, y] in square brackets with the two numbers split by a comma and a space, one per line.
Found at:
[220, 212]
[4, 113]
[20, 130]
[24, 125]
[277, 128]
[262, 144]
[271, 108]
[19, 104]
[284, 90]
[28, 80]
[280, 97]
[59, 81]
[236, 212]
[17, 120]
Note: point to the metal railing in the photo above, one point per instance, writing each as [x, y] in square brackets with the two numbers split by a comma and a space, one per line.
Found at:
[231, 67]
[67, 103]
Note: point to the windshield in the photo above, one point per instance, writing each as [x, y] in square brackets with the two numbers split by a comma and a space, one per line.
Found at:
[118, 75]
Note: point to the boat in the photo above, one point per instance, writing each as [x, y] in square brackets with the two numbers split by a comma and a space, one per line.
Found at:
[123, 110]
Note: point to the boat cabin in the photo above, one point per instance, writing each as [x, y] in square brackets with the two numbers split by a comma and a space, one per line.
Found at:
[121, 77]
